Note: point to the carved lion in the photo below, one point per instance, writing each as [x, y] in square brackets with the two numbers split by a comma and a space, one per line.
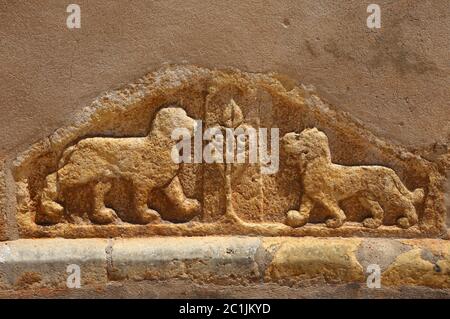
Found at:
[328, 184]
[145, 162]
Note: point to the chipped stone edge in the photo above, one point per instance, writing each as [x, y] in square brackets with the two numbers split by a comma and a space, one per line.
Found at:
[3, 213]
[40, 265]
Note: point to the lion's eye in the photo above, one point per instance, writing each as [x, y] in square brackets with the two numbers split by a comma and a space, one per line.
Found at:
[297, 137]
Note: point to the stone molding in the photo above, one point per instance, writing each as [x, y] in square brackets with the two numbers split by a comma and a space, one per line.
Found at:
[39, 266]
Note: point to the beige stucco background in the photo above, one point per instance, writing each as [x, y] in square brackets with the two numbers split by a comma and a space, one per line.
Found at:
[396, 80]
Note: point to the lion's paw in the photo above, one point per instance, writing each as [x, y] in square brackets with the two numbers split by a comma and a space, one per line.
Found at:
[335, 222]
[295, 219]
[52, 213]
[104, 216]
[149, 216]
[191, 207]
[372, 223]
[403, 222]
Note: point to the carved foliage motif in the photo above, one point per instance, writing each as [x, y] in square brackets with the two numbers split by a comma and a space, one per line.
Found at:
[111, 173]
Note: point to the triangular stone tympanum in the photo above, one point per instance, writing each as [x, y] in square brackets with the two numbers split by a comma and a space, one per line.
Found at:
[317, 171]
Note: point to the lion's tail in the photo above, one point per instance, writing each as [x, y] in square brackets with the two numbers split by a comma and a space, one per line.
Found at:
[66, 155]
[417, 196]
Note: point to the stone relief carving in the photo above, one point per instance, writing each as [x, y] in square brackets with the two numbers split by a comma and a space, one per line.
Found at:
[329, 184]
[111, 172]
[143, 162]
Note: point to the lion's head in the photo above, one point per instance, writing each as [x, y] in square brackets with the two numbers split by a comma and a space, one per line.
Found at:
[306, 146]
[169, 119]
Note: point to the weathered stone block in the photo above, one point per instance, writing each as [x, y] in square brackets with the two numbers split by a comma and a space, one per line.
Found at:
[37, 264]
[296, 261]
[203, 260]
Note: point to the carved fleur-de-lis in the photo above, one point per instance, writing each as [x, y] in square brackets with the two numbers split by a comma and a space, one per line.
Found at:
[232, 115]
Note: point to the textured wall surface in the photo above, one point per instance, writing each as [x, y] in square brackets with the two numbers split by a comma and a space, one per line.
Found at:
[395, 79]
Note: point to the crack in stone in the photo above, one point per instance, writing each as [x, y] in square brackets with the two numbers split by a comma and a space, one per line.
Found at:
[264, 257]
[109, 259]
